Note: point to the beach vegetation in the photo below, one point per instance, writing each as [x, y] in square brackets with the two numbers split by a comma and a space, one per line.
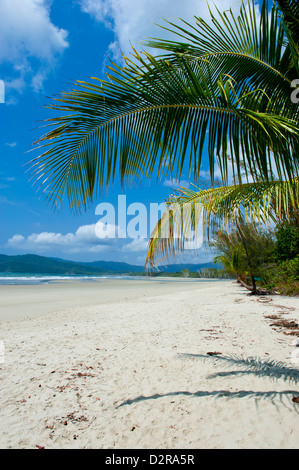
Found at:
[249, 253]
[287, 242]
[245, 251]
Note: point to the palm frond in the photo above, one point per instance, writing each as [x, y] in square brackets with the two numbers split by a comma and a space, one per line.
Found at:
[189, 211]
[240, 43]
[290, 14]
[181, 108]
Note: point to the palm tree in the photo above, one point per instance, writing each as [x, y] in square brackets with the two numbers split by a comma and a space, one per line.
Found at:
[232, 260]
[245, 252]
[223, 91]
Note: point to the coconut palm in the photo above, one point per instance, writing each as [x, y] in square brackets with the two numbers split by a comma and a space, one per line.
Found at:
[221, 91]
[232, 261]
[245, 252]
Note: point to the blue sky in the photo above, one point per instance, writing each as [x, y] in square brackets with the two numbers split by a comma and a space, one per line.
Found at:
[46, 46]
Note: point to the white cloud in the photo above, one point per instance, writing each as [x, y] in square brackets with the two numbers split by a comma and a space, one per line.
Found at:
[83, 240]
[133, 21]
[10, 178]
[136, 245]
[30, 42]
[11, 144]
[26, 27]
[176, 183]
[5, 183]
[16, 240]
[86, 239]
[4, 200]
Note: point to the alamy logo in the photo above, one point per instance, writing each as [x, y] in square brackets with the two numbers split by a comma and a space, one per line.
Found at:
[295, 93]
[2, 352]
[114, 221]
[2, 92]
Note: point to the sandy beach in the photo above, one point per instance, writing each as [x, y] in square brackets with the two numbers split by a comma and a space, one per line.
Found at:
[157, 364]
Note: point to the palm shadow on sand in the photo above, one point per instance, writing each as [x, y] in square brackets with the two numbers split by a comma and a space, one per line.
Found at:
[245, 366]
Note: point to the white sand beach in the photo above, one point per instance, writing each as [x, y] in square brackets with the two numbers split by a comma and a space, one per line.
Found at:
[157, 364]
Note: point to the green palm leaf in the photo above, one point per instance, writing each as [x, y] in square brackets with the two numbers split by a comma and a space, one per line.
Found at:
[189, 211]
[241, 43]
[290, 12]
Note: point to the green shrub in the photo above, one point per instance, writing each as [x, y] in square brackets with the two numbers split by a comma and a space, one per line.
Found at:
[290, 269]
[282, 277]
[287, 242]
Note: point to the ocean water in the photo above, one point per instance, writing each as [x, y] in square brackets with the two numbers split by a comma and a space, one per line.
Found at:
[34, 279]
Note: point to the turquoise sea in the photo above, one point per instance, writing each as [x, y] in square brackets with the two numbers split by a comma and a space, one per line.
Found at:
[32, 279]
[35, 279]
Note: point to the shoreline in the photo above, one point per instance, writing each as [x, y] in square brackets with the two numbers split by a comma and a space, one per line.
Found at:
[29, 301]
[163, 367]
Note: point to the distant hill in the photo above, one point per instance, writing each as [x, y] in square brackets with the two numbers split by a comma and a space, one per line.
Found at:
[35, 264]
[112, 267]
[119, 267]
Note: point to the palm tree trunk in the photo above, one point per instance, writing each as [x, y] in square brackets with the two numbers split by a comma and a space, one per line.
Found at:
[244, 284]
[254, 289]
